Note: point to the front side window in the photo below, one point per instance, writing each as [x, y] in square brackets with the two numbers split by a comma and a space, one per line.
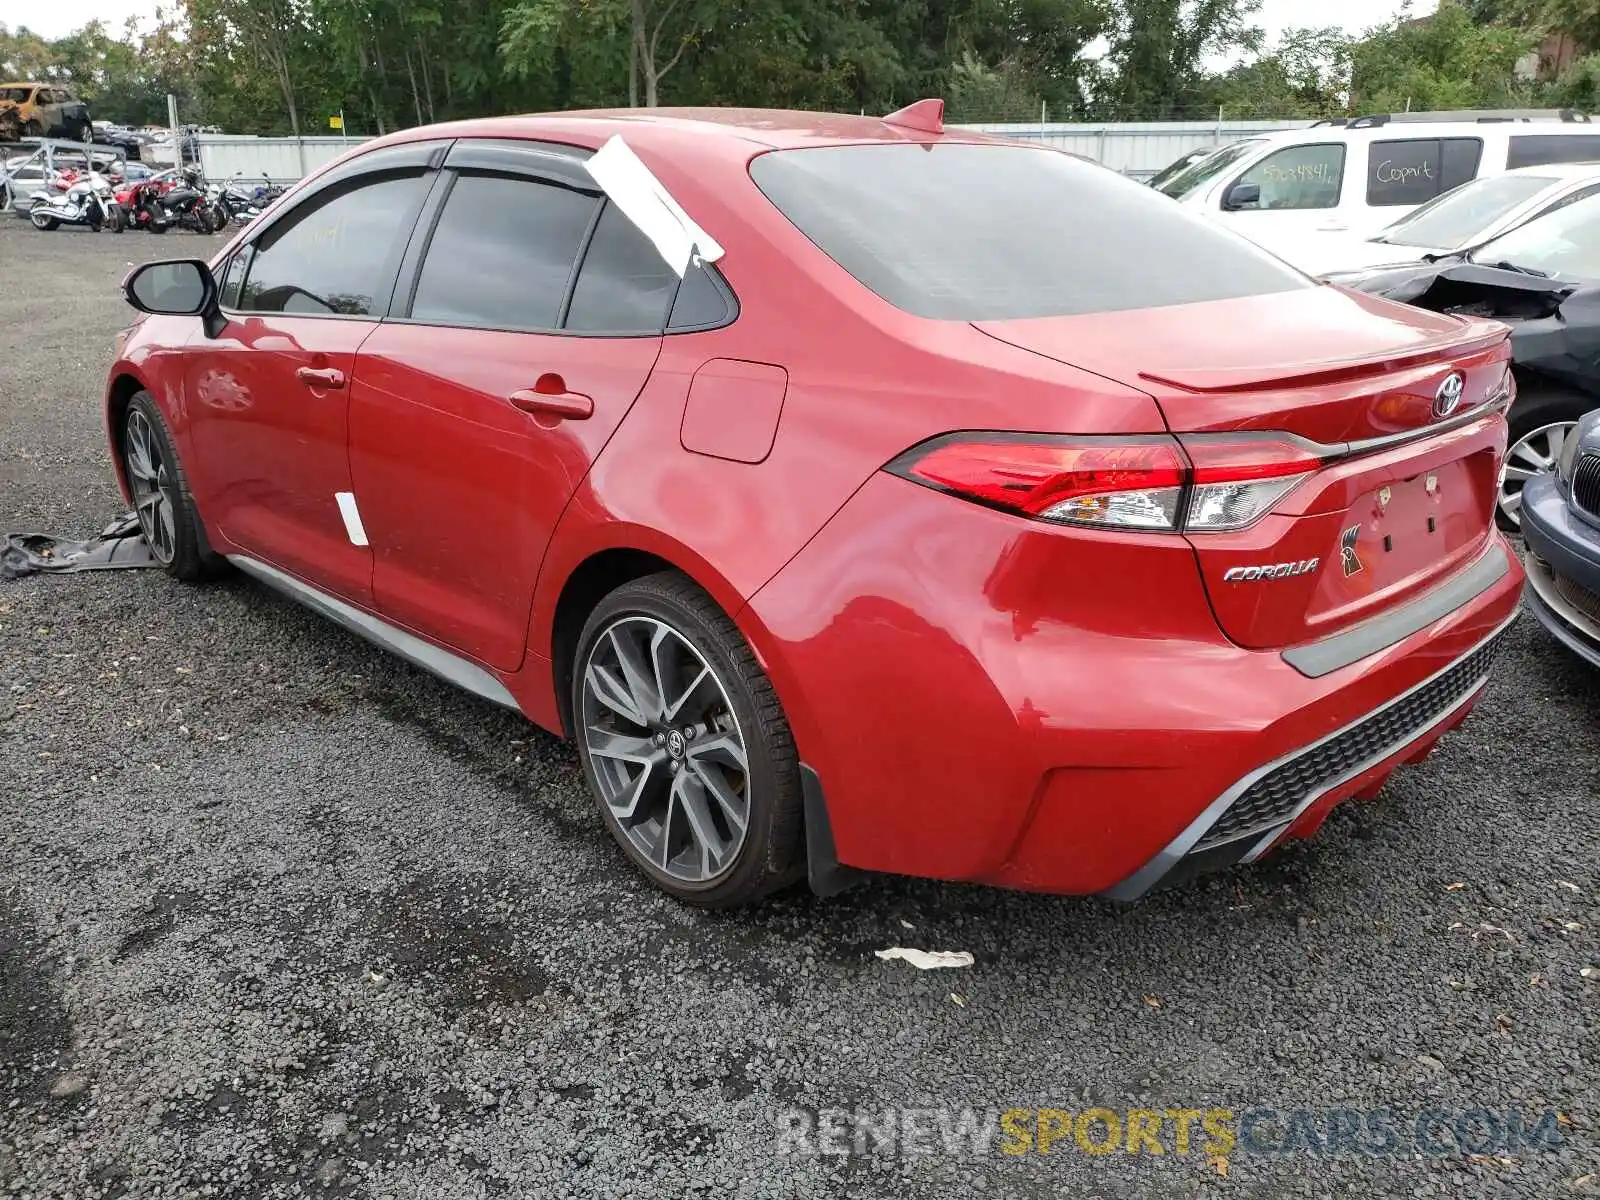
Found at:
[502, 253]
[336, 254]
[963, 232]
[232, 284]
[1298, 177]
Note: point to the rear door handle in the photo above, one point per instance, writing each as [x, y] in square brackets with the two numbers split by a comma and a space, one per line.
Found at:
[1333, 229]
[549, 398]
[320, 377]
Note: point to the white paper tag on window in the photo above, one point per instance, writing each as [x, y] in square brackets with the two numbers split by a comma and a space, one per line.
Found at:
[645, 201]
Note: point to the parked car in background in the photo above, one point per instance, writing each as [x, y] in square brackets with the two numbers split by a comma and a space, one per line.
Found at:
[47, 110]
[1179, 165]
[1361, 176]
[1542, 279]
[1458, 220]
[1561, 522]
[703, 497]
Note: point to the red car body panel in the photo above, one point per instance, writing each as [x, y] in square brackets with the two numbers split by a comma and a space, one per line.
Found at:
[983, 697]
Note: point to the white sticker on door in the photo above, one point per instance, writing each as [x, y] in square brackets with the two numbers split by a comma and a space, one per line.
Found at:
[352, 518]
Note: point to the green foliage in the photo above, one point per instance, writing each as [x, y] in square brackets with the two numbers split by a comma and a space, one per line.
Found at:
[1450, 62]
[275, 66]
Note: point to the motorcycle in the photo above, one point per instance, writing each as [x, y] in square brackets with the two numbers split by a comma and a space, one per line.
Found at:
[158, 206]
[87, 201]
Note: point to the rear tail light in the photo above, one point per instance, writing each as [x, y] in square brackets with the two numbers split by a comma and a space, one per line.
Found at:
[1203, 483]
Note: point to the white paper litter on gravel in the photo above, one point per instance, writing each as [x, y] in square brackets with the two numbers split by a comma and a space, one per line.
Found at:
[927, 960]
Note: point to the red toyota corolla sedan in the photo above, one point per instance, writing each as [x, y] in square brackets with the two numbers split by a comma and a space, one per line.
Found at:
[858, 494]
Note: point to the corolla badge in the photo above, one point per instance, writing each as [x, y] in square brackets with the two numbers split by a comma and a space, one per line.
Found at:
[1448, 398]
[1283, 570]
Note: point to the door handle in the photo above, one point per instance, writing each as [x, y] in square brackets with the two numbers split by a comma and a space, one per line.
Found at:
[320, 377]
[549, 398]
[1333, 229]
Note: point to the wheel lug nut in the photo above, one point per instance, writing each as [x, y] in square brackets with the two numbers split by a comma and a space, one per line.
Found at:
[661, 739]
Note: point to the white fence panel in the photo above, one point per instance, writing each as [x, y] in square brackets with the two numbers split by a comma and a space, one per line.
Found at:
[1139, 149]
[282, 160]
[1136, 149]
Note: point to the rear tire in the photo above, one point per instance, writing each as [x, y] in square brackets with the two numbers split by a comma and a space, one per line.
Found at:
[161, 495]
[700, 785]
[1541, 420]
[43, 221]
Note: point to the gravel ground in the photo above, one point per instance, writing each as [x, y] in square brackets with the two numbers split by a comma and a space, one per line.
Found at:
[281, 916]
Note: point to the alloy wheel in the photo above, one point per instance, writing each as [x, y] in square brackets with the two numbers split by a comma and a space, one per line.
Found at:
[1531, 456]
[151, 481]
[666, 749]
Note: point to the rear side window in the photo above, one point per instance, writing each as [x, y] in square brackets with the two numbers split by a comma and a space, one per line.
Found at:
[502, 253]
[1299, 177]
[1413, 171]
[1526, 151]
[976, 232]
[337, 253]
[624, 285]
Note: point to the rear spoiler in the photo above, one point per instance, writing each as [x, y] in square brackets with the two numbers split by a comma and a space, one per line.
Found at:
[1480, 335]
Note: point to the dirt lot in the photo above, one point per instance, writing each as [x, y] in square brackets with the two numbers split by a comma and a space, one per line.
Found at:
[281, 916]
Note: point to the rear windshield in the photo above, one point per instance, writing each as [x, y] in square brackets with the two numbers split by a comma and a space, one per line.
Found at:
[975, 232]
[1459, 218]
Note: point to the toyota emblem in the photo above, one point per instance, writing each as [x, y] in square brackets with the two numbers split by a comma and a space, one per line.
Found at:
[1448, 398]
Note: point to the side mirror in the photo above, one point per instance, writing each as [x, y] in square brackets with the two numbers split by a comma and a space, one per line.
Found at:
[182, 287]
[1241, 196]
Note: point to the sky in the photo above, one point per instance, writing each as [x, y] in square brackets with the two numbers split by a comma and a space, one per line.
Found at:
[58, 17]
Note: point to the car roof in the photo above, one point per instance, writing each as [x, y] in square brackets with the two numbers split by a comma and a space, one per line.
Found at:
[777, 129]
[1409, 130]
[1563, 171]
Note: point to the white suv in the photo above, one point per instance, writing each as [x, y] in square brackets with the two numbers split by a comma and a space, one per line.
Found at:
[1359, 177]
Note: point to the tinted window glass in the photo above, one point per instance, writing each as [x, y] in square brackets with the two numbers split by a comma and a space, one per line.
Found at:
[1299, 177]
[1528, 151]
[333, 255]
[502, 254]
[1405, 172]
[624, 285]
[703, 301]
[1459, 158]
[1460, 217]
[233, 278]
[968, 233]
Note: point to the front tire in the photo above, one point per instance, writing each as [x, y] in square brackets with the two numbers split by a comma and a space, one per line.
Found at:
[685, 745]
[1541, 421]
[161, 495]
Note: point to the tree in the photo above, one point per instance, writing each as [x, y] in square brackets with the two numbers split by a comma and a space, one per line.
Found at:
[1448, 62]
[657, 34]
[1159, 47]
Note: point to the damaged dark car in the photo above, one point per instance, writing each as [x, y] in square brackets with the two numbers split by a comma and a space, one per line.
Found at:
[1561, 522]
[1542, 279]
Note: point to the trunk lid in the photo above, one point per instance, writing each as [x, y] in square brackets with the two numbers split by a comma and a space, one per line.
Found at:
[1406, 494]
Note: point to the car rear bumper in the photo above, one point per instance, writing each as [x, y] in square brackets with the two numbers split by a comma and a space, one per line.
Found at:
[1563, 568]
[1004, 702]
